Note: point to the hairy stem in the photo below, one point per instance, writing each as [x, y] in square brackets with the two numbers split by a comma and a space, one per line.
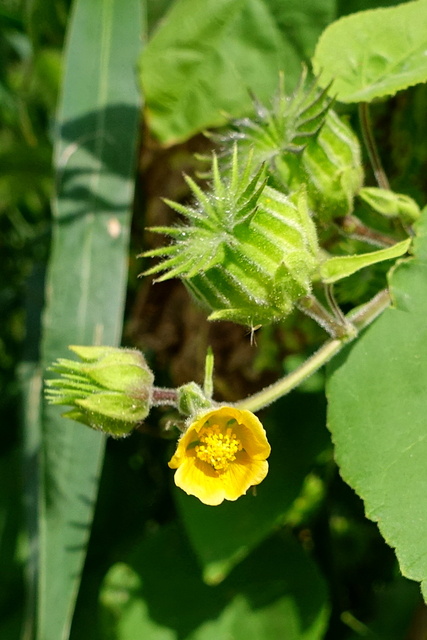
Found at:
[355, 228]
[371, 147]
[164, 397]
[333, 325]
[359, 319]
[335, 308]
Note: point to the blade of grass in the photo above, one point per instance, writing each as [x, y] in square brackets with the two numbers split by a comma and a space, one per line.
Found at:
[94, 159]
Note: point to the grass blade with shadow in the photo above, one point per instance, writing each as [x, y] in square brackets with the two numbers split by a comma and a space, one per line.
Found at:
[94, 157]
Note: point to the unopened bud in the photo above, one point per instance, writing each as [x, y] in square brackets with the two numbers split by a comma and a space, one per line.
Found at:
[110, 390]
[192, 400]
[391, 204]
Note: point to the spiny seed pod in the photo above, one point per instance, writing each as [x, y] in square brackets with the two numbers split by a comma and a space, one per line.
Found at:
[331, 168]
[248, 253]
[302, 141]
[110, 390]
[274, 133]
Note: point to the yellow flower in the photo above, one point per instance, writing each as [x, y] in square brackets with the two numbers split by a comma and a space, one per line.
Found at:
[221, 455]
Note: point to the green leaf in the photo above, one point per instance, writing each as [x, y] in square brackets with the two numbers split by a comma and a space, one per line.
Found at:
[374, 53]
[94, 158]
[339, 267]
[221, 536]
[275, 593]
[377, 414]
[205, 56]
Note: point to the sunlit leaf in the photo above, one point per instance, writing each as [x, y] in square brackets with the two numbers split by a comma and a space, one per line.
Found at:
[194, 73]
[374, 53]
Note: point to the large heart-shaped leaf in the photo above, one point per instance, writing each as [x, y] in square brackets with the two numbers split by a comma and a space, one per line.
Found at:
[378, 414]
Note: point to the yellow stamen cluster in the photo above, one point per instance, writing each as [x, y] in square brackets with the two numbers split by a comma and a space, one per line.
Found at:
[217, 448]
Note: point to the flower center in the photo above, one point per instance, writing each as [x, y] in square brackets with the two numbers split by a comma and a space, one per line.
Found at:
[217, 448]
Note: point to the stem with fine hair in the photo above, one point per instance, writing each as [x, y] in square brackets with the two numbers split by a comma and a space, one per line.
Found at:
[355, 228]
[311, 306]
[163, 396]
[359, 319]
[371, 147]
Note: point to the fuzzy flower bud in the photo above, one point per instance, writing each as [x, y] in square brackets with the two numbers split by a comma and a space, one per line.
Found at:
[109, 390]
[191, 400]
[391, 204]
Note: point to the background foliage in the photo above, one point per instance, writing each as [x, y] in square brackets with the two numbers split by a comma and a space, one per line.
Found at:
[299, 560]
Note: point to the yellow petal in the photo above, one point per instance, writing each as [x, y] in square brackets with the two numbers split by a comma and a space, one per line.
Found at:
[250, 429]
[198, 479]
[254, 439]
[242, 474]
[181, 449]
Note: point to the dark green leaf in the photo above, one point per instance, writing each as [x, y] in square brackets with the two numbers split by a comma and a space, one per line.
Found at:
[158, 593]
[377, 414]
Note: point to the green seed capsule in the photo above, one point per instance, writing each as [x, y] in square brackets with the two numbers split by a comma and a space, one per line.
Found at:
[248, 253]
[303, 143]
[331, 168]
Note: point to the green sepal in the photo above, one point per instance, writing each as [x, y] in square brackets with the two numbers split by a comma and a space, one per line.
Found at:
[91, 353]
[113, 413]
[191, 400]
[287, 288]
[391, 204]
[340, 267]
[77, 416]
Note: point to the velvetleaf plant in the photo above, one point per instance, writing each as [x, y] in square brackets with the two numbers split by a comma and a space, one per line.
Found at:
[374, 388]
[248, 250]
